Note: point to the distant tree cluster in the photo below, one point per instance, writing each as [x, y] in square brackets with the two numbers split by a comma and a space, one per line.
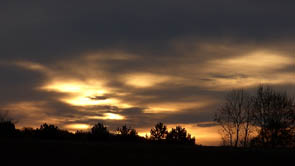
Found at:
[177, 135]
[7, 127]
[98, 132]
[266, 119]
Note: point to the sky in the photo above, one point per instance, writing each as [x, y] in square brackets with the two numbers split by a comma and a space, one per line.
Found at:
[139, 62]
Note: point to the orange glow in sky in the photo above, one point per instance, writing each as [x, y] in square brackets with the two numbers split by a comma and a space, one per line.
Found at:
[111, 116]
[78, 126]
[78, 63]
[139, 89]
[203, 135]
[144, 80]
[83, 93]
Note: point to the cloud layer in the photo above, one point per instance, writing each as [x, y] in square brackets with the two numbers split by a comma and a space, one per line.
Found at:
[139, 62]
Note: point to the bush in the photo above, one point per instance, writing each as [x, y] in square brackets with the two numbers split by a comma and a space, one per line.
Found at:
[7, 129]
[99, 132]
[48, 131]
[179, 135]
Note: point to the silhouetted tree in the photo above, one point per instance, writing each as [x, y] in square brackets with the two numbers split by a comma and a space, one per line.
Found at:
[234, 117]
[48, 131]
[127, 131]
[159, 132]
[7, 127]
[179, 135]
[270, 113]
[100, 132]
[82, 135]
[28, 132]
[274, 114]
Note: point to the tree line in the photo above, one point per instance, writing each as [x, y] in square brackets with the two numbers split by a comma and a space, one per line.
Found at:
[265, 119]
[98, 132]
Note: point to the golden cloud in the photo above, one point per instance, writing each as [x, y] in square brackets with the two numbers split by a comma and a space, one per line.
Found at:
[258, 66]
[106, 116]
[144, 80]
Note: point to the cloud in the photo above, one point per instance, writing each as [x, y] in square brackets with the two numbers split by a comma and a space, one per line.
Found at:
[207, 124]
[45, 31]
[143, 80]
[99, 98]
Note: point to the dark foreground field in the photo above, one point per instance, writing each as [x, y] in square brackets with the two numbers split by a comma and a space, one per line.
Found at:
[117, 153]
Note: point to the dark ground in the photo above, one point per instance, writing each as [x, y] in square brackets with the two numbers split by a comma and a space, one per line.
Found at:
[41, 152]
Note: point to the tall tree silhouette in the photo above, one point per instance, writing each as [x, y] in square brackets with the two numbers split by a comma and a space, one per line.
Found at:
[274, 114]
[7, 129]
[269, 112]
[234, 117]
[127, 131]
[127, 134]
[159, 132]
[179, 135]
[100, 132]
[48, 131]
[7, 126]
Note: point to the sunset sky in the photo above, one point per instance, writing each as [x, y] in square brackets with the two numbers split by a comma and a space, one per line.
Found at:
[139, 62]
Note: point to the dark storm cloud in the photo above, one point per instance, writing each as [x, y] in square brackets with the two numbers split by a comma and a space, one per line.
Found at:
[18, 84]
[172, 93]
[207, 124]
[288, 69]
[48, 30]
[191, 115]
[135, 117]
[229, 76]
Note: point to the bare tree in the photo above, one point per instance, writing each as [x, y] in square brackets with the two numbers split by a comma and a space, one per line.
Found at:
[274, 116]
[234, 117]
[270, 113]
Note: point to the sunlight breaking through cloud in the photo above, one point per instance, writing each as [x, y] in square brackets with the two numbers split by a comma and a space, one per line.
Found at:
[144, 80]
[83, 93]
[206, 135]
[106, 116]
[78, 126]
[249, 70]
[112, 89]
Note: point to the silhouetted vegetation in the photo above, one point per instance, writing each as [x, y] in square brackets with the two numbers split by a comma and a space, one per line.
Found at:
[234, 117]
[270, 113]
[99, 132]
[274, 114]
[265, 120]
[159, 132]
[7, 129]
[28, 132]
[129, 134]
[179, 135]
[48, 131]
[125, 131]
